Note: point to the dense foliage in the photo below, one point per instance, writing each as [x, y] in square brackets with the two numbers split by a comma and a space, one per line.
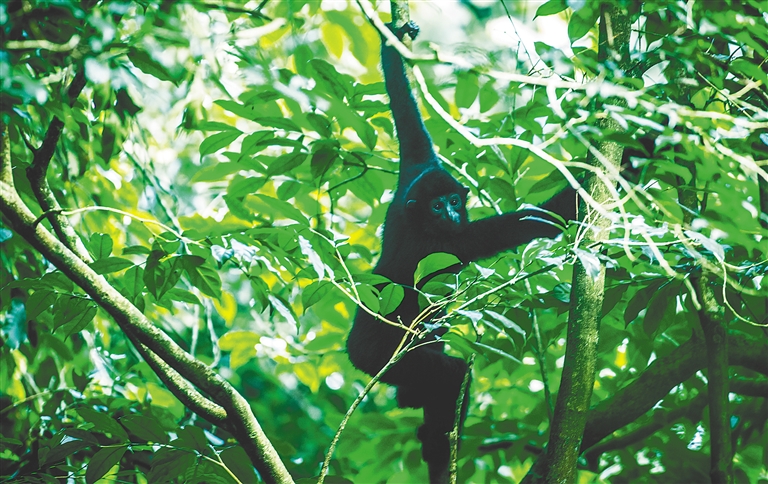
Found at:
[228, 167]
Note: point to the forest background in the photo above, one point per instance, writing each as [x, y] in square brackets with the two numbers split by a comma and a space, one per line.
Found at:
[192, 195]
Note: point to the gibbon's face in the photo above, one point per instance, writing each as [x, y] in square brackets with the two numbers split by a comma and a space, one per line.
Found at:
[442, 214]
[447, 208]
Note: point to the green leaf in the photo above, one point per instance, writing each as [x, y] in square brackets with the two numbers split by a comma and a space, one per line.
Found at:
[562, 292]
[192, 437]
[102, 423]
[508, 323]
[233, 339]
[330, 80]
[64, 445]
[585, 58]
[583, 20]
[466, 88]
[244, 111]
[238, 462]
[325, 342]
[100, 245]
[390, 298]
[102, 461]
[162, 398]
[657, 307]
[434, 263]
[485, 349]
[612, 297]
[215, 142]
[241, 344]
[367, 134]
[666, 166]
[136, 250]
[322, 159]
[161, 275]
[552, 7]
[307, 374]
[133, 282]
[286, 163]
[749, 70]
[145, 427]
[124, 105]
[182, 295]
[314, 258]
[279, 123]
[459, 342]
[253, 143]
[203, 277]
[73, 314]
[110, 265]
[369, 296]
[640, 300]
[168, 464]
[321, 124]
[441, 285]
[488, 96]
[40, 300]
[283, 208]
[107, 143]
[144, 61]
[314, 292]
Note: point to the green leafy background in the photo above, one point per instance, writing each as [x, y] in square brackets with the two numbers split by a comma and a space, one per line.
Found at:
[239, 160]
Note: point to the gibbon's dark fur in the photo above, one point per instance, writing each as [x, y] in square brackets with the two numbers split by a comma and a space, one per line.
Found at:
[427, 215]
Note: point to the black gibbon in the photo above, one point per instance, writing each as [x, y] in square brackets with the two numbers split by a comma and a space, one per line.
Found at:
[428, 214]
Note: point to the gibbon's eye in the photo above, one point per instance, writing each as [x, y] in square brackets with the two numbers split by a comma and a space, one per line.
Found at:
[438, 206]
[455, 201]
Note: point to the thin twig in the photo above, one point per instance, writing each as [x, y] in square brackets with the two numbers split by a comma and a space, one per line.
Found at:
[351, 410]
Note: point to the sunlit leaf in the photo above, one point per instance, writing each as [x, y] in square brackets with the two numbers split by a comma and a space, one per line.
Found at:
[434, 263]
[582, 21]
[203, 277]
[550, 8]
[100, 245]
[315, 292]
[286, 163]
[144, 61]
[466, 88]
[217, 141]
[390, 298]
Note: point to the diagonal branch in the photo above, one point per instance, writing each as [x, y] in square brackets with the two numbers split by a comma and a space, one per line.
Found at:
[37, 171]
[241, 420]
[632, 401]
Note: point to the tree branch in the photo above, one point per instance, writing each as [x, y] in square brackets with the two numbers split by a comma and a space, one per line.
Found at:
[715, 327]
[691, 410]
[566, 432]
[241, 419]
[182, 389]
[37, 171]
[632, 401]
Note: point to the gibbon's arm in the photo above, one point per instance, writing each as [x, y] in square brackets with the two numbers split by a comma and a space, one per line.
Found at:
[415, 143]
[489, 236]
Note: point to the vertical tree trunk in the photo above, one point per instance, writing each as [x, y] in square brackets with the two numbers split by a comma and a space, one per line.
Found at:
[558, 464]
